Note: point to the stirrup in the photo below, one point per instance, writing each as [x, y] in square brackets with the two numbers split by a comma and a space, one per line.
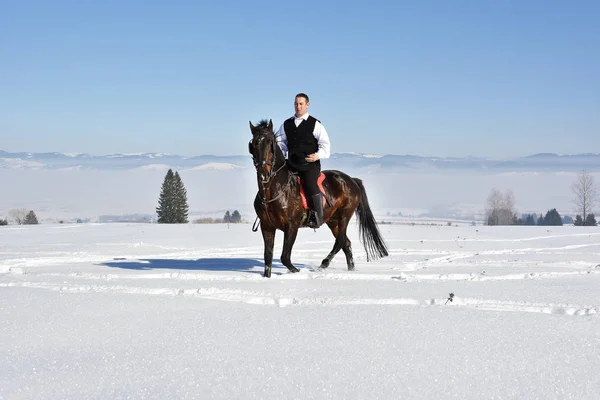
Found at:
[312, 221]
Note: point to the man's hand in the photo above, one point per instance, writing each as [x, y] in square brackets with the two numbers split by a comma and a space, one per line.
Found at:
[312, 157]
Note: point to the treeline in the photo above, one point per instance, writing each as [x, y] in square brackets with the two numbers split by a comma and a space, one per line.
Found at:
[500, 207]
[501, 210]
[229, 218]
[20, 217]
[552, 218]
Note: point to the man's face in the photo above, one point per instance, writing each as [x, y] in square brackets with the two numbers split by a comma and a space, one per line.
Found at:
[301, 106]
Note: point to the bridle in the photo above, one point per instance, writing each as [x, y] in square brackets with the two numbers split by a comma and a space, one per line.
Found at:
[266, 180]
[264, 163]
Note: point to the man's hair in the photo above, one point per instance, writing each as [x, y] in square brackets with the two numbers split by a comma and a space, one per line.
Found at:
[303, 95]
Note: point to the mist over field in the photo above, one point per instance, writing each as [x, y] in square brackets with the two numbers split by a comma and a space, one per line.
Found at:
[68, 187]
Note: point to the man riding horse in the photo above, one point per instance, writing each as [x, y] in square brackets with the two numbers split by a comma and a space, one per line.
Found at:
[305, 141]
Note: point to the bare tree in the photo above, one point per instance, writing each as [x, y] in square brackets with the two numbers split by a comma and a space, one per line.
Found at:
[500, 208]
[493, 203]
[586, 194]
[18, 215]
[507, 210]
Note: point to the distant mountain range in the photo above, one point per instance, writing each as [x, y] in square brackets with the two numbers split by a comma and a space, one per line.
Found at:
[342, 161]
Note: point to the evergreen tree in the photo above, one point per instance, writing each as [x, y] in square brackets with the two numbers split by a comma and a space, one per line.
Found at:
[236, 218]
[590, 220]
[541, 221]
[166, 205]
[227, 217]
[172, 202]
[578, 221]
[30, 219]
[180, 199]
[567, 220]
[553, 218]
[3, 222]
[529, 220]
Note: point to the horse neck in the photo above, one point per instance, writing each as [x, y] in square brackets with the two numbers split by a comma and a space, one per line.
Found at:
[279, 160]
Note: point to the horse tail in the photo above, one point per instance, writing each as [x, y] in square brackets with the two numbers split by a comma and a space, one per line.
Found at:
[368, 231]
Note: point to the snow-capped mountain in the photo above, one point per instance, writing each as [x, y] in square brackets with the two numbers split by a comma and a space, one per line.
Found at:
[538, 162]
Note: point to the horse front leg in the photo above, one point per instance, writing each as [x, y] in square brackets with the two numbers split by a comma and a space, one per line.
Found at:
[269, 241]
[289, 237]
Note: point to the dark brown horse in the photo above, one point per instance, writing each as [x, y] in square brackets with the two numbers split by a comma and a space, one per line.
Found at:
[278, 204]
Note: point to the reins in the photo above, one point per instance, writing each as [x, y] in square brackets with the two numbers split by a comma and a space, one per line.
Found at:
[266, 184]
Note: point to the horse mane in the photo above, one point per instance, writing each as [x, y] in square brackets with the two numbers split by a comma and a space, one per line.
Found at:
[263, 123]
[263, 127]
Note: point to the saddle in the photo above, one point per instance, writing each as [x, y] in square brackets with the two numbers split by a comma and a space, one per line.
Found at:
[320, 180]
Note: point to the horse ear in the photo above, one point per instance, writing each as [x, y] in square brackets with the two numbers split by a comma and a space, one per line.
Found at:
[251, 127]
[271, 125]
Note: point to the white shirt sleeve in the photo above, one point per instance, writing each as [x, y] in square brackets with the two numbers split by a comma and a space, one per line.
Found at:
[323, 141]
[282, 140]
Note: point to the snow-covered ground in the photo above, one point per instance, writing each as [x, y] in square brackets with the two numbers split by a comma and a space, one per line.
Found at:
[141, 311]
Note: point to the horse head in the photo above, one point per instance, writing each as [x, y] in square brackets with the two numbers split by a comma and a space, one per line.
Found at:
[264, 149]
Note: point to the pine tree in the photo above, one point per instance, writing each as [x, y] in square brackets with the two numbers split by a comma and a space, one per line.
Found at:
[165, 210]
[578, 221]
[3, 221]
[172, 203]
[553, 218]
[236, 217]
[180, 198]
[30, 219]
[541, 221]
[590, 220]
[227, 217]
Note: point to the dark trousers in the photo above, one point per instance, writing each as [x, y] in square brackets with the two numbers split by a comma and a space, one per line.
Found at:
[309, 173]
[309, 179]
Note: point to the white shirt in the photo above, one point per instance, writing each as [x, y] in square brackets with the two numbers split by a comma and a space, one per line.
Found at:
[319, 133]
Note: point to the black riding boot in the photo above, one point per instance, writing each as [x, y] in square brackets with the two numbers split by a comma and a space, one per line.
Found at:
[317, 205]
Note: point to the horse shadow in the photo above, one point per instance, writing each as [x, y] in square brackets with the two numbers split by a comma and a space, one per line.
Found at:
[213, 264]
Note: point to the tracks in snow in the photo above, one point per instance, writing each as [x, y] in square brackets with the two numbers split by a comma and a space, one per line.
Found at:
[307, 274]
[212, 275]
[266, 298]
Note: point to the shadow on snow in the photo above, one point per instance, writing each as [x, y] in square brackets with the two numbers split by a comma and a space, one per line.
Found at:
[250, 265]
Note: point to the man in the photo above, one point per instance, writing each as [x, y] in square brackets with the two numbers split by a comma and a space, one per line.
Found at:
[305, 141]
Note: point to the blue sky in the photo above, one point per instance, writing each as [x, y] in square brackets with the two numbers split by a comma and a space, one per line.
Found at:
[432, 78]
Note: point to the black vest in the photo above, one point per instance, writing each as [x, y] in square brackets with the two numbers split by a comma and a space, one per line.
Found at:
[300, 139]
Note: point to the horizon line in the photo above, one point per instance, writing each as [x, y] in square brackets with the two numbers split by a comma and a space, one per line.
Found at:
[366, 155]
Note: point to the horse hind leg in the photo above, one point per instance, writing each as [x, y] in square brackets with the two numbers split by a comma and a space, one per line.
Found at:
[348, 252]
[341, 243]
